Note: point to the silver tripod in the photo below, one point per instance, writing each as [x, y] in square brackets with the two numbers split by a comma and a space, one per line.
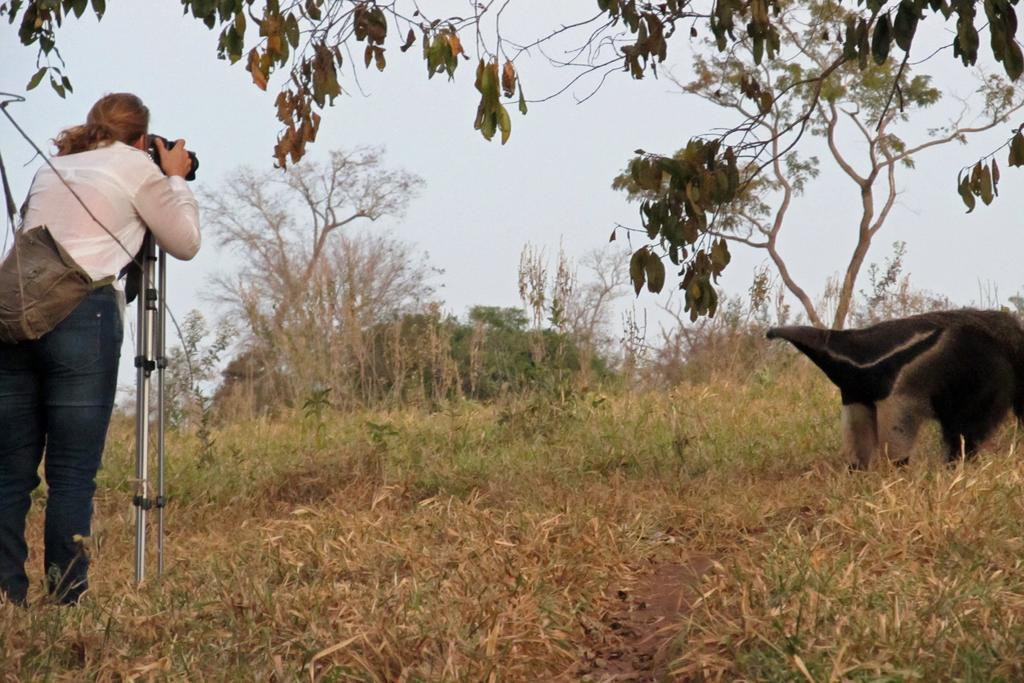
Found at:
[150, 355]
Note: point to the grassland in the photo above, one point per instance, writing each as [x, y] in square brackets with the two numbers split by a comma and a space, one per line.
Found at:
[517, 542]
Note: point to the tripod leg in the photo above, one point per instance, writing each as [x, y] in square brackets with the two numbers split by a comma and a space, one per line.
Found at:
[161, 365]
[144, 367]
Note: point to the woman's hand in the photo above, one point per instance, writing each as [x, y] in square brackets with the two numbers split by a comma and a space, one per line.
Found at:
[174, 161]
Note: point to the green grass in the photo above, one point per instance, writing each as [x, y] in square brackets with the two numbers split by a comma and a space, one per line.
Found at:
[482, 542]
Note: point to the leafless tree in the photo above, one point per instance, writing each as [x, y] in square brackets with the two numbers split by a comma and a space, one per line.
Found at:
[304, 289]
[579, 309]
[588, 314]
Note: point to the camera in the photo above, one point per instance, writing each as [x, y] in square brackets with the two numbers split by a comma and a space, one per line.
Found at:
[132, 272]
[155, 154]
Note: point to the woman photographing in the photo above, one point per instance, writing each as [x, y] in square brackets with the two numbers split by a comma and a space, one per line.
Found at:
[57, 391]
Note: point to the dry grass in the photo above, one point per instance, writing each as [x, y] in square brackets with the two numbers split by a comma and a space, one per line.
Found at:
[896, 575]
[481, 542]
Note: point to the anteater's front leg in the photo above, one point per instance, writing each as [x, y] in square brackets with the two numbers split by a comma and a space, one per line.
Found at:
[860, 434]
[899, 421]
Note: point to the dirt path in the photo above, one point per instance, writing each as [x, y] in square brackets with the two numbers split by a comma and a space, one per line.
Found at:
[631, 644]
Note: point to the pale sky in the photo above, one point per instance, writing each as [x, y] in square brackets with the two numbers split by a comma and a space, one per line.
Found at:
[482, 202]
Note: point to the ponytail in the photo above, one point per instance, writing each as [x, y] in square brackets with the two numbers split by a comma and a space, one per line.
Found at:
[119, 117]
[82, 138]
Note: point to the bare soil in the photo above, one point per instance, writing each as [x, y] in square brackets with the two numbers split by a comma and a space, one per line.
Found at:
[631, 642]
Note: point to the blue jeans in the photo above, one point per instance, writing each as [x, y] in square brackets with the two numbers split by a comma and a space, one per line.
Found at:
[56, 395]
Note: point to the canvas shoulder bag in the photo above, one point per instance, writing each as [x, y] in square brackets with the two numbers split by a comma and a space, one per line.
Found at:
[40, 285]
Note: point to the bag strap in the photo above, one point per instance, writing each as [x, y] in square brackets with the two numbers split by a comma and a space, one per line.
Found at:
[11, 211]
[12, 207]
[109, 280]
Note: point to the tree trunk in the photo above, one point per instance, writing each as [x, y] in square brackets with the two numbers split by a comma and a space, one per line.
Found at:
[850, 279]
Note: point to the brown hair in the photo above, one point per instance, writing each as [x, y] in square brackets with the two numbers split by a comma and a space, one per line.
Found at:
[118, 117]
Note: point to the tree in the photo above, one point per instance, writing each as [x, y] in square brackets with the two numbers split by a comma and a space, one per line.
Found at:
[576, 310]
[891, 294]
[433, 357]
[853, 104]
[304, 292]
[497, 351]
[192, 368]
[308, 39]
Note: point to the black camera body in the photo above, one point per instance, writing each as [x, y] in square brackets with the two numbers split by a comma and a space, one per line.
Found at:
[155, 154]
[132, 273]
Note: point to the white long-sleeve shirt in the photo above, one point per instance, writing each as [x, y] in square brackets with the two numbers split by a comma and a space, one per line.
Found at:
[127, 192]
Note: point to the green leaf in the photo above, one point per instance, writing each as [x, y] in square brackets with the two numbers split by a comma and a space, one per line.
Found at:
[906, 24]
[774, 42]
[850, 43]
[203, 8]
[313, 9]
[985, 185]
[999, 41]
[491, 115]
[409, 40]
[651, 217]
[435, 55]
[720, 256]
[965, 45]
[655, 271]
[976, 176]
[964, 188]
[1016, 150]
[487, 122]
[694, 295]
[522, 100]
[693, 193]
[489, 81]
[37, 77]
[57, 87]
[291, 30]
[637, 268]
[1013, 60]
[504, 123]
[882, 39]
[231, 44]
[228, 8]
[863, 44]
[99, 6]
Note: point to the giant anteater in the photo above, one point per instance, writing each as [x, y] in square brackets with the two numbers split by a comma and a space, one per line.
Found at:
[963, 368]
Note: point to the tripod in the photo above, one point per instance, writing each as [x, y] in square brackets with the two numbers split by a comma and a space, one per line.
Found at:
[150, 355]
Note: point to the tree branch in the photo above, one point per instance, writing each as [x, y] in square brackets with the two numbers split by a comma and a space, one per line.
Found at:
[830, 126]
